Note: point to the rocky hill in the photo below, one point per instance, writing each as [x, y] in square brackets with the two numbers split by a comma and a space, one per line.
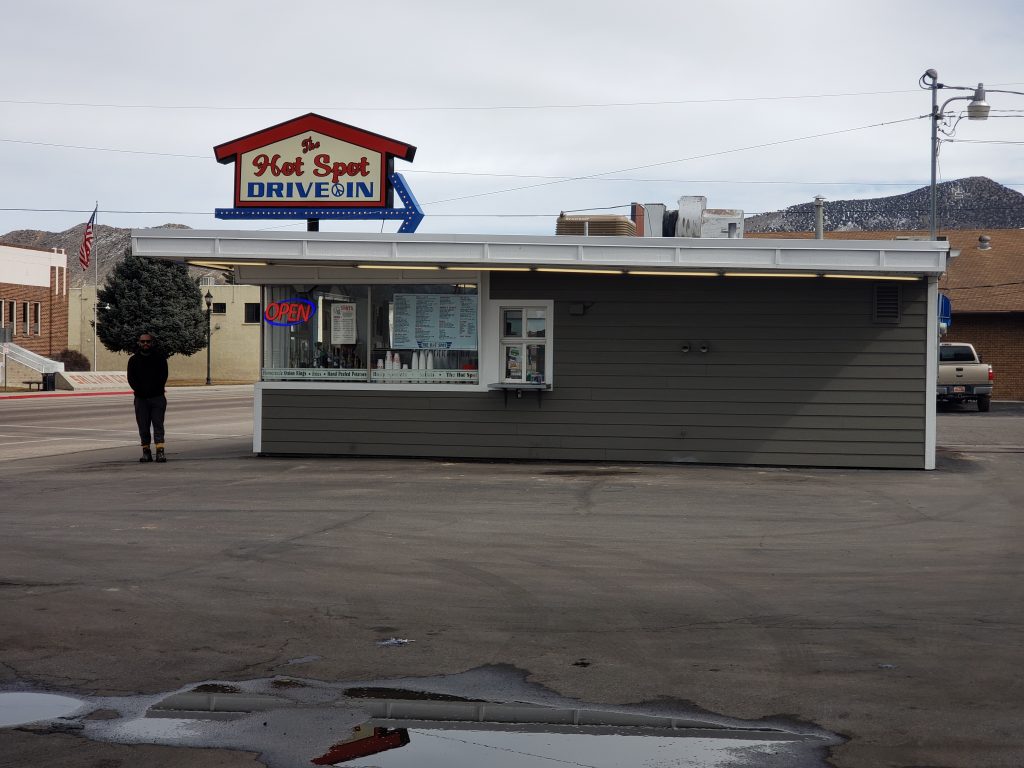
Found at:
[109, 244]
[972, 203]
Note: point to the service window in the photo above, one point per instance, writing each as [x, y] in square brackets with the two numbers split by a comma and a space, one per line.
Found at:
[378, 333]
[525, 334]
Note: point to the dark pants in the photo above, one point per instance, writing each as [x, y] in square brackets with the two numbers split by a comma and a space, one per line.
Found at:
[150, 410]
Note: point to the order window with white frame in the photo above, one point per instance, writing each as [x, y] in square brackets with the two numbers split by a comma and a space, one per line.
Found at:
[525, 344]
[375, 332]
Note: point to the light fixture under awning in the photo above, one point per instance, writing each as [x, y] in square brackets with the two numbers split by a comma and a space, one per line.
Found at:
[577, 271]
[397, 267]
[226, 264]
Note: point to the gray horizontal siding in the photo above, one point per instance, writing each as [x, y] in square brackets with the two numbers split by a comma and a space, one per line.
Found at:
[797, 374]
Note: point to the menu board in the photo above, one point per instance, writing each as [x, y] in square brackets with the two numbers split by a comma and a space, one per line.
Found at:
[343, 323]
[434, 321]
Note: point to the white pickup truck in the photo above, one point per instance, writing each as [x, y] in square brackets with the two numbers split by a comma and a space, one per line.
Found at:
[963, 376]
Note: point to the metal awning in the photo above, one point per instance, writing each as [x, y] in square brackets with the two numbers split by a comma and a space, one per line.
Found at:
[262, 252]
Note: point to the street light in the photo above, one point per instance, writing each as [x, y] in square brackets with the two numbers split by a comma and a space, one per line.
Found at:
[978, 109]
[97, 305]
[209, 308]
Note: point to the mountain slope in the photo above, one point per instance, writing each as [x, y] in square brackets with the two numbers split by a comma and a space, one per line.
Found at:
[972, 203]
[109, 245]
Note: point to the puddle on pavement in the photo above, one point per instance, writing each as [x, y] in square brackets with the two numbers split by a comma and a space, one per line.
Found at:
[523, 746]
[490, 716]
[22, 707]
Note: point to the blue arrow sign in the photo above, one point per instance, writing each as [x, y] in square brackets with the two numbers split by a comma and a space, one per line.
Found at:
[411, 215]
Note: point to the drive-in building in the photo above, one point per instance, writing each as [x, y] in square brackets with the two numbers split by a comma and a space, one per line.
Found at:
[774, 352]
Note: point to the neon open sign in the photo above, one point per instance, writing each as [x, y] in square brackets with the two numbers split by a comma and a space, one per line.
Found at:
[289, 312]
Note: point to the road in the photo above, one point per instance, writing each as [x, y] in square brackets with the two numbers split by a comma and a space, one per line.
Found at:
[882, 605]
[49, 426]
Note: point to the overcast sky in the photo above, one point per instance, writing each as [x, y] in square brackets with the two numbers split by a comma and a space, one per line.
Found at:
[671, 97]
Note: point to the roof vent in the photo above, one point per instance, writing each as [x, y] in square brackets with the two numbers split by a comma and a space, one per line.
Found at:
[602, 225]
[887, 304]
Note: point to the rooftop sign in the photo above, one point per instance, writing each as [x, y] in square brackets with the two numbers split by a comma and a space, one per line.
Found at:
[312, 167]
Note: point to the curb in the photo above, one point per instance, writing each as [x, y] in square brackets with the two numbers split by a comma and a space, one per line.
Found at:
[5, 396]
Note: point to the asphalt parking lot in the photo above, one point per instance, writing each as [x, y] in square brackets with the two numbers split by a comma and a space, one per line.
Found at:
[884, 606]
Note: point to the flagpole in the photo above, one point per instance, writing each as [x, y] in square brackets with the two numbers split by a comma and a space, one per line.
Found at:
[85, 253]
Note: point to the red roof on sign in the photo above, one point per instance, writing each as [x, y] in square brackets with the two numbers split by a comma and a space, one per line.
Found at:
[229, 151]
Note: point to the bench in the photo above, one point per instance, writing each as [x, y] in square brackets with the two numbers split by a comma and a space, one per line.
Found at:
[33, 385]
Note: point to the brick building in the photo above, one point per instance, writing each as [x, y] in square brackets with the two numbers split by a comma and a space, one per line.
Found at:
[34, 299]
[985, 285]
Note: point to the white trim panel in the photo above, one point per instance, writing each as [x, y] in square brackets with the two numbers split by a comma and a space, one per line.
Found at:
[289, 249]
[931, 373]
[257, 417]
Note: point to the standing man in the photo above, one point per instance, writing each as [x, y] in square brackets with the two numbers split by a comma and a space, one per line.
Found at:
[147, 376]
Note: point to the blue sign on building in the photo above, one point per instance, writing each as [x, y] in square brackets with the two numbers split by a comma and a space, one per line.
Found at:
[945, 311]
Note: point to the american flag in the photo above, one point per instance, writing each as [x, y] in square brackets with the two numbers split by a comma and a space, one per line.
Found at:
[86, 250]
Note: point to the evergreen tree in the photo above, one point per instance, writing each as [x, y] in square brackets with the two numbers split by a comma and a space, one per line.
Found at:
[149, 296]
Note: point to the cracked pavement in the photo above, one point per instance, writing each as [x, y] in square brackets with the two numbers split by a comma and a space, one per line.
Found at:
[882, 605]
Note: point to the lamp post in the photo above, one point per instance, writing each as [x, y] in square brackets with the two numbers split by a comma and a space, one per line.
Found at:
[978, 109]
[209, 307]
[96, 306]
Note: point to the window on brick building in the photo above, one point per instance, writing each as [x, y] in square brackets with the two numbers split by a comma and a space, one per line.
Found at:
[37, 318]
[24, 318]
[12, 308]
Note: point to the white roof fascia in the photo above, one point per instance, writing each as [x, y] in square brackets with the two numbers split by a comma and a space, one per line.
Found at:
[907, 257]
[25, 266]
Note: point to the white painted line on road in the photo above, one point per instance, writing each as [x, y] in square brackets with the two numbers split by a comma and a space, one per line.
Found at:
[113, 431]
[76, 429]
[21, 440]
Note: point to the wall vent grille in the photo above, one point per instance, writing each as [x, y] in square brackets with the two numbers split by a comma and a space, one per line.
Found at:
[887, 304]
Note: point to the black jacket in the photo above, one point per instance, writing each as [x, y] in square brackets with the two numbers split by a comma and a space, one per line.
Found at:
[147, 374]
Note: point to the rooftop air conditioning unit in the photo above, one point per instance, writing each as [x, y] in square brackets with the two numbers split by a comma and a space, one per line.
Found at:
[597, 226]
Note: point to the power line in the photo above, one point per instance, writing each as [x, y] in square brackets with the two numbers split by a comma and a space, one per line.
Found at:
[593, 177]
[210, 213]
[522, 175]
[981, 141]
[680, 160]
[450, 107]
[685, 181]
[975, 287]
[101, 149]
[466, 107]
